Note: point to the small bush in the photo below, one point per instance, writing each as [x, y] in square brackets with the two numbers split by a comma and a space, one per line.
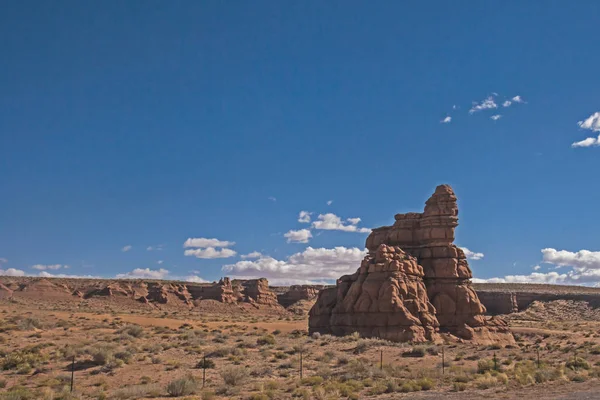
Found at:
[361, 347]
[459, 386]
[312, 381]
[233, 375]
[425, 383]
[132, 330]
[29, 324]
[577, 363]
[265, 340]
[414, 352]
[205, 363]
[183, 386]
[484, 366]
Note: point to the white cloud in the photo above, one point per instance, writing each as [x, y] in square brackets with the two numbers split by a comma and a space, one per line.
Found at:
[254, 254]
[589, 142]
[496, 117]
[591, 123]
[126, 248]
[272, 198]
[353, 221]
[584, 269]
[487, 104]
[537, 268]
[309, 266]
[454, 107]
[299, 236]
[471, 255]
[552, 278]
[329, 202]
[43, 267]
[203, 242]
[3, 260]
[144, 273]
[507, 103]
[158, 247]
[446, 120]
[45, 274]
[210, 252]
[304, 217]
[517, 99]
[160, 262]
[195, 279]
[11, 272]
[581, 260]
[332, 222]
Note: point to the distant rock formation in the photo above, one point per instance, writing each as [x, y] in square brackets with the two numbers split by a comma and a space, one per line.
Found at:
[257, 291]
[385, 298]
[221, 291]
[429, 237]
[497, 303]
[151, 292]
[296, 293]
[507, 298]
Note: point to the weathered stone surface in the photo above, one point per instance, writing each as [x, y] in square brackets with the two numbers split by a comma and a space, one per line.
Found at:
[429, 237]
[221, 291]
[385, 298]
[257, 291]
[499, 302]
[296, 293]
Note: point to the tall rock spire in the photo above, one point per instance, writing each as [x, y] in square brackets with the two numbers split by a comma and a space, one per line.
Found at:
[428, 237]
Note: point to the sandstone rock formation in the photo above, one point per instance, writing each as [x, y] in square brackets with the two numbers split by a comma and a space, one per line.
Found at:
[296, 293]
[221, 291]
[385, 298]
[428, 237]
[257, 291]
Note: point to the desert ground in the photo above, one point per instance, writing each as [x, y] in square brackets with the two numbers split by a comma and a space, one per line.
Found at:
[118, 352]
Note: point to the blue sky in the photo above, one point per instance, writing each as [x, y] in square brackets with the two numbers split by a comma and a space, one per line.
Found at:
[145, 124]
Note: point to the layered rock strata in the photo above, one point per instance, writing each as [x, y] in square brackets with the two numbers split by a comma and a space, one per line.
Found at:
[429, 237]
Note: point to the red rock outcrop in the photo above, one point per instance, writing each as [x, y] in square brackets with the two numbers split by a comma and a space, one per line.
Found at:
[168, 293]
[429, 237]
[257, 291]
[221, 291]
[386, 298]
[296, 293]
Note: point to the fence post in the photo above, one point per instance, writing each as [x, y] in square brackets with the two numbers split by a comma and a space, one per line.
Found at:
[443, 361]
[72, 372]
[203, 371]
[380, 359]
[495, 362]
[300, 364]
[538, 357]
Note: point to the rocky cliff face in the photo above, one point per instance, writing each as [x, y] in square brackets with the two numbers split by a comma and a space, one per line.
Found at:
[385, 298]
[429, 237]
